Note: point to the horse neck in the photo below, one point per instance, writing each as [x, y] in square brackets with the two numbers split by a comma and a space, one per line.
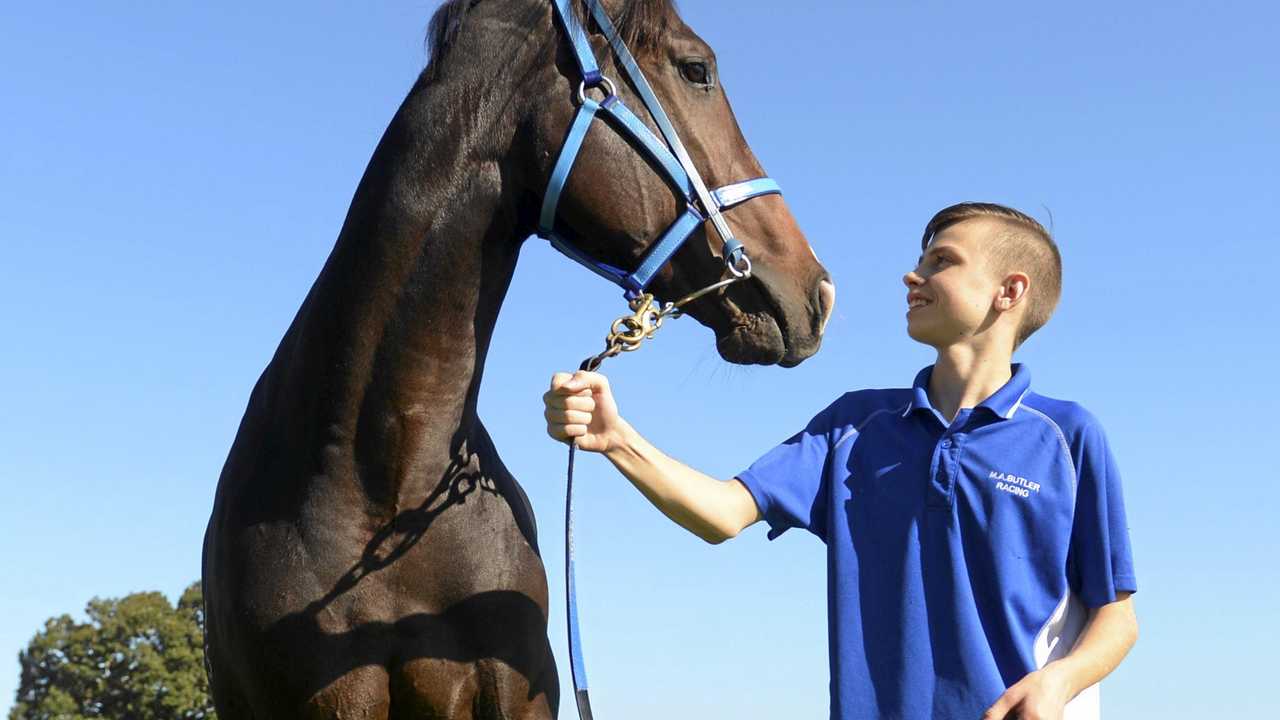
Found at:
[390, 344]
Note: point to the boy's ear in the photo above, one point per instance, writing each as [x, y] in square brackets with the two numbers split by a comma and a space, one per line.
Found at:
[1013, 290]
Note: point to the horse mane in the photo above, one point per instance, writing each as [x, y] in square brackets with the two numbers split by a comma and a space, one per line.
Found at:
[641, 23]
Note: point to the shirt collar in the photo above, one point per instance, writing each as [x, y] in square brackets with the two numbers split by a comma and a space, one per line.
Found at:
[1003, 402]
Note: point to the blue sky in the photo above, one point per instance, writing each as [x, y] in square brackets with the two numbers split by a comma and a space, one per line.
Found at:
[172, 177]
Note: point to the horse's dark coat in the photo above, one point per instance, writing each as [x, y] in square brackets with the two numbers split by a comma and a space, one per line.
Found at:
[368, 554]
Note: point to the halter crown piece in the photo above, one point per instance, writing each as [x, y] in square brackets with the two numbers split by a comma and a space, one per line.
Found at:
[701, 205]
[667, 152]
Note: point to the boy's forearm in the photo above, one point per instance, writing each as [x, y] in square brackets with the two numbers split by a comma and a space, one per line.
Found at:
[712, 509]
[1109, 634]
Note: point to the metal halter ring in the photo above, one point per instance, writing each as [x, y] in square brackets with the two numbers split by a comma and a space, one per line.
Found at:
[738, 263]
[608, 88]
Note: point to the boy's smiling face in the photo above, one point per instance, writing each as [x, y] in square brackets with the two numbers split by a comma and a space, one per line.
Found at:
[954, 294]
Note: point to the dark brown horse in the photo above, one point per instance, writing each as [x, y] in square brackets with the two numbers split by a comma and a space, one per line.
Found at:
[368, 555]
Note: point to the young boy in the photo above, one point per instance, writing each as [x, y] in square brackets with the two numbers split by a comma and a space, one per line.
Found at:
[975, 530]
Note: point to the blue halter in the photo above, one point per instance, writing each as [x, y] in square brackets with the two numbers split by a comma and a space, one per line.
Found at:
[667, 152]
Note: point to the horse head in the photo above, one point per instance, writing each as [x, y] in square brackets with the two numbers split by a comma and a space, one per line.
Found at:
[617, 201]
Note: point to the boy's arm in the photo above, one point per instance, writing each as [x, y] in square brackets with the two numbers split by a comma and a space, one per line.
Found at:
[1107, 637]
[714, 510]
[580, 408]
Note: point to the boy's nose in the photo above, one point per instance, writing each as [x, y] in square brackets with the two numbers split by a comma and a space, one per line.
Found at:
[911, 279]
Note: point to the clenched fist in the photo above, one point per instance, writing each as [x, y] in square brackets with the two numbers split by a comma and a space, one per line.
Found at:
[580, 409]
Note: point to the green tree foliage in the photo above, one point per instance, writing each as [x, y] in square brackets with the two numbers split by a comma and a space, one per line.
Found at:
[137, 658]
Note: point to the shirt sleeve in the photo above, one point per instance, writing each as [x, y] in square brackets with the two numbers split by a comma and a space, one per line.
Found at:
[1099, 560]
[789, 482]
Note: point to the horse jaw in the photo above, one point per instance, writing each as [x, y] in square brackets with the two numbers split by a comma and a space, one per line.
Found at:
[755, 339]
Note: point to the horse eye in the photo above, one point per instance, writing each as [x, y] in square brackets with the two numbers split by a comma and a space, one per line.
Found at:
[696, 71]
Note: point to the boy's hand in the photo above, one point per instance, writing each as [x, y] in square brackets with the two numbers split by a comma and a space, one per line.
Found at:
[580, 409]
[1041, 695]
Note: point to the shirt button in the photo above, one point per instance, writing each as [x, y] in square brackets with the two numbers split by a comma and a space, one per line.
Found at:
[946, 443]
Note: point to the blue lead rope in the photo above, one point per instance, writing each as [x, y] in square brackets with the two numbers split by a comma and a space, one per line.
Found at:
[576, 663]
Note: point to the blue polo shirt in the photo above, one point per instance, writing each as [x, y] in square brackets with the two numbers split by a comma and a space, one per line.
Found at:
[961, 556]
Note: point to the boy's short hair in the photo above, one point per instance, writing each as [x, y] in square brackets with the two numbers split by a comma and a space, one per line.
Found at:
[1024, 246]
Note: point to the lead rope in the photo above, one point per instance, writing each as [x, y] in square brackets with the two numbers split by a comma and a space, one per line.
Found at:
[625, 335]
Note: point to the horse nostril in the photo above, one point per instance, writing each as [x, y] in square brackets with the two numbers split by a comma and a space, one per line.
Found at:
[826, 302]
